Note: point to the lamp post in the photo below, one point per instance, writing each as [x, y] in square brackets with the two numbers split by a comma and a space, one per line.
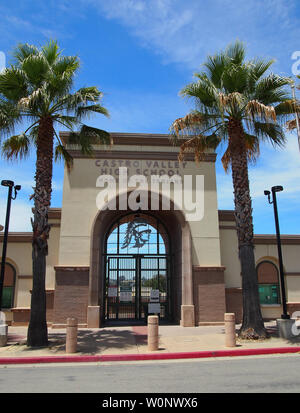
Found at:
[11, 186]
[275, 189]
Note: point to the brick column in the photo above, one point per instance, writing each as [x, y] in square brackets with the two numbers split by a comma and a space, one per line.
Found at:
[71, 295]
[209, 295]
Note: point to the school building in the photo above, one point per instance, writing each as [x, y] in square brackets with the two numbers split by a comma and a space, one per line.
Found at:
[133, 246]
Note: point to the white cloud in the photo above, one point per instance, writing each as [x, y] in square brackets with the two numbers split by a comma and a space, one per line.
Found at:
[185, 32]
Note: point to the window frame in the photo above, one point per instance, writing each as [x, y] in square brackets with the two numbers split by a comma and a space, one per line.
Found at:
[279, 301]
[14, 287]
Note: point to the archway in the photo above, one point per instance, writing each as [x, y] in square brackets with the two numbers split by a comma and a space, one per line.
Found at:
[138, 258]
[181, 281]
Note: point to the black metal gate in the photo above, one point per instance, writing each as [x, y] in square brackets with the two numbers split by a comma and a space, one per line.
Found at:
[137, 261]
[129, 281]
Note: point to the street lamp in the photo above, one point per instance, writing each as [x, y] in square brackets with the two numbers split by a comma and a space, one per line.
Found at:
[275, 189]
[11, 185]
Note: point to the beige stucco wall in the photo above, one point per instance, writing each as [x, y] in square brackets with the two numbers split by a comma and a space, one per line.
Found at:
[19, 254]
[79, 205]
[229, 256]
[53, 252]
[293, 288]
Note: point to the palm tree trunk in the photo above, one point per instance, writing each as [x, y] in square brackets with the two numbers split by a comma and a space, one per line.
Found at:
[253, 325]
[37, 329]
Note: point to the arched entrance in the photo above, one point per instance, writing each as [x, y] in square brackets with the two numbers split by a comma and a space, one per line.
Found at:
[180, 294]
[137, 269]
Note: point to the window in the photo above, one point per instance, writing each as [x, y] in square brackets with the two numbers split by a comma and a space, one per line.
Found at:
[8, 286]
[268, 283]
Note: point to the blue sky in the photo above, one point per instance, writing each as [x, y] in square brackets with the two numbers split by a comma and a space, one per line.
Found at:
[140, 53]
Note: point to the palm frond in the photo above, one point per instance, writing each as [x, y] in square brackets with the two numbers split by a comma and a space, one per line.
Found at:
[292, 124]
[89, 136]
[252, 147]
[39, 86]
[13, 83]
[87, 110]
[9, 117]
[60, 153]
[255, 110]
[187, 123]
[235, 78]
[36, 103]
[70, 122]
[22, 51]
[36, 67]
[203, 91]
[51, 52]
[258, 68]
[71, 102]
[226, 160]
[236, 52]
[198, 146]
[215, 66]
[286, 112]
[272, 132]
[16, 147]
[66, 66]
[232, 99]
[34, 133]
[270, 90]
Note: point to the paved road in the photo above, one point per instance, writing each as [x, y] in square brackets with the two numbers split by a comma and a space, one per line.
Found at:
[245, 374]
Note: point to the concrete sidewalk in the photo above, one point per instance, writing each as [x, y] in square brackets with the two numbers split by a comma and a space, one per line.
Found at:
[133, 340]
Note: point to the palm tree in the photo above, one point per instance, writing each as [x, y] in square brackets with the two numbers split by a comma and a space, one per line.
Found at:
[240, 105]
[37, 89]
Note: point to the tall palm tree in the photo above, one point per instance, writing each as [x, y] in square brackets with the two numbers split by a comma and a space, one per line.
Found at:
[240, 105]
[37, 89]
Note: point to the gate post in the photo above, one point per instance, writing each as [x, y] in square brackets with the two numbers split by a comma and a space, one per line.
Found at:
[71, 339]
[153, 333]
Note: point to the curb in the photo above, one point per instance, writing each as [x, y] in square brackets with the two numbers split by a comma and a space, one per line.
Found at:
[150, 356]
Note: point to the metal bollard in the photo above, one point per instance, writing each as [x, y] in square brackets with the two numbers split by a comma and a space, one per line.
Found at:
[71, 339]
[230, 336]
[153, 333]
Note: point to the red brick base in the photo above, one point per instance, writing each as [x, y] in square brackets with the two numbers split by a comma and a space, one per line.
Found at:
[21, 316]
[71, 294]
[209, 294]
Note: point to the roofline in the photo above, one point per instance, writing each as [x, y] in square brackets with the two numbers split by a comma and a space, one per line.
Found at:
[121, 138]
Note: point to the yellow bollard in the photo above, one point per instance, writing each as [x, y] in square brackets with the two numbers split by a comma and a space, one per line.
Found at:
[71, 339]
[153, 333]
[230, 336]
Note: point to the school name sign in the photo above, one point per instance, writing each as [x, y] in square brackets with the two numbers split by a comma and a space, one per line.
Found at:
[145, 167]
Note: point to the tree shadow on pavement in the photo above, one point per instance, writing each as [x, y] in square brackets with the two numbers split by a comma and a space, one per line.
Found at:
[95, 341]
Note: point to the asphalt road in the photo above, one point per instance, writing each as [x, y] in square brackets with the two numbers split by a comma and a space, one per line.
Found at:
[271, 374]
